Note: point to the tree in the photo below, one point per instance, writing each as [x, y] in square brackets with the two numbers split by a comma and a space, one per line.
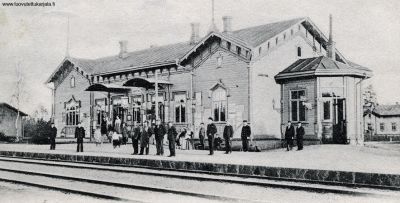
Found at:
[19, 95]
[41, 113]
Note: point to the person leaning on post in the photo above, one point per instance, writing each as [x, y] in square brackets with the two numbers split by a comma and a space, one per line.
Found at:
[53, 135]
[79, 135]
[211, 131]
[171, 132]
[245, 135]
[289, 135]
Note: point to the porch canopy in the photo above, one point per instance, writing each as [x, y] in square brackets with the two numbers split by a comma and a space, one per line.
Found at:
[107, 88]
[148, 83]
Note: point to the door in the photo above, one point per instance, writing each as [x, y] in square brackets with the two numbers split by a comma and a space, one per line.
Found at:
[339, 121]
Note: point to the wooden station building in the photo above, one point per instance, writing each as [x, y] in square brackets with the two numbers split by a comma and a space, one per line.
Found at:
[227, 75]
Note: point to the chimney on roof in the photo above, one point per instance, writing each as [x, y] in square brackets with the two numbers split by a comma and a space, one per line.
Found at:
[330, 49]
[123, 50]
[227, 21]
[195, 36]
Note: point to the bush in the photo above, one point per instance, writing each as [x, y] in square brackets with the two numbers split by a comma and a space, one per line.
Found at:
[38, 130]
[4, 138]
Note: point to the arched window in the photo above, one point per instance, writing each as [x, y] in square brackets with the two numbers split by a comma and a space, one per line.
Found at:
[72, 115]
[219, 103]
[298, 51]
[72, 81]
[276, 40]
[180, 107]
[259, 50]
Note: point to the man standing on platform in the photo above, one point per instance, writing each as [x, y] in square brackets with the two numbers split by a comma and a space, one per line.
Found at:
[135, 138]
[202, 134]
[145, 138]
[299, 136]
[159, 132]
[211, 131]
[171, 139]
[228, 134]
[245, 135]
[53, 135]
[79, 135]
[289, 135]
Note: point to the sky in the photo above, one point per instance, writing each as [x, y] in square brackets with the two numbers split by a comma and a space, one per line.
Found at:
[35, 38]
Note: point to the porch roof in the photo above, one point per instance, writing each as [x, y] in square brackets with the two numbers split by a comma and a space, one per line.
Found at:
[107, 88]
[322, 66]
[145, 82]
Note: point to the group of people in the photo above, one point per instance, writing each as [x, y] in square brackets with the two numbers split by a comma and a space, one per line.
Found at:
[291, 133]
[140, 135]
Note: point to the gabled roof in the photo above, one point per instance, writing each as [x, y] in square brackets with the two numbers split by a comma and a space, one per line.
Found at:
[257, 35]
[387, 110]
[155, 56]
[321, 66]
[13, 109]
[169, 54]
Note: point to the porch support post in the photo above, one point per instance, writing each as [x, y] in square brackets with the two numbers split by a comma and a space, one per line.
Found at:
[156, 96]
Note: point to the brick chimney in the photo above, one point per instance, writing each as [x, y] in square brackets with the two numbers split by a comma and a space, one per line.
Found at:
[227, 22]
[123, 50]
[195, 36]
[330, 48]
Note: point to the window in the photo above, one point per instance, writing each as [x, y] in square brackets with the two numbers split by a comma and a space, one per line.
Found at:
[228, 45]
[268, 45]
[327, 110]
[72, 82]
[298, 111]
[284, 36]
[72, 115]
[276, 40]
[382, 127]
[238, 50]
[298, 51]
[180, 107]
[259, 50]
[394, 126]
[219, 61]
[137, 102]
[219, 104]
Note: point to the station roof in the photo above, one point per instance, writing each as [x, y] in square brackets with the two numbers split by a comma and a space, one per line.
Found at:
[322, 66]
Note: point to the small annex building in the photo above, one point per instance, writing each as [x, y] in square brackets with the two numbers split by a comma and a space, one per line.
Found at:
[8, 116]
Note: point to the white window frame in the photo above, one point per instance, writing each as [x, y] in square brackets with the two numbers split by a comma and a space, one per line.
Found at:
[219, 98]
[298, 105]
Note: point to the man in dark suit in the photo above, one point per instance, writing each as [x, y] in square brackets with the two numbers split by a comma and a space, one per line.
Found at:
[79, 135]
[53, 135]
[299, 136]
[159, 132]
[171, 132]
[228, 134]
[135, 138]
[289, 135]
[211, 131]
[245, 135]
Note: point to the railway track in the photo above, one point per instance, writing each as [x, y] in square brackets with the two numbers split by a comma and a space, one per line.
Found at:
[25, 169]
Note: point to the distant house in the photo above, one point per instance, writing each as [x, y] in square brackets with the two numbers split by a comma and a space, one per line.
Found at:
[382, 123]
[8, 115]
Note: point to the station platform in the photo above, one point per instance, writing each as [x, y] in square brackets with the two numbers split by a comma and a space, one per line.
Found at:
[371, 164]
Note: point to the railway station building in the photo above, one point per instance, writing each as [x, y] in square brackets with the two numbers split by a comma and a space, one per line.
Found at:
[228, 75]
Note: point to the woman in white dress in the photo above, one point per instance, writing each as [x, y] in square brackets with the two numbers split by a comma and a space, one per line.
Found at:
[98, 137]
